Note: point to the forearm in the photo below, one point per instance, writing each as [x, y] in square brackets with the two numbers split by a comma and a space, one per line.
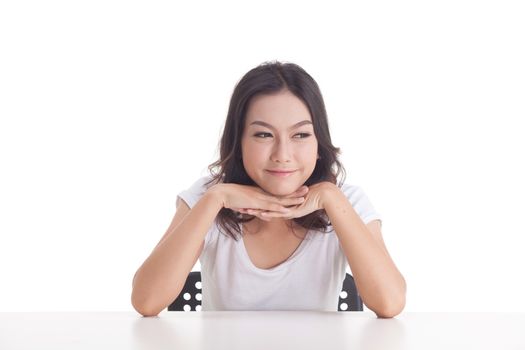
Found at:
[379, 282]
[161, 277]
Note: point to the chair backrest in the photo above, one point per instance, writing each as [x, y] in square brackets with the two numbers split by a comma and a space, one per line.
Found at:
[190, 297]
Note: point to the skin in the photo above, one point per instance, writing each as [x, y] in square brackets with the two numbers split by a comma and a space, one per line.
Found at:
[278, 145]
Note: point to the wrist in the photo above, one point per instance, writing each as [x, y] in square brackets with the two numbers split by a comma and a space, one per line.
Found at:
[329, 192]
[217, 193]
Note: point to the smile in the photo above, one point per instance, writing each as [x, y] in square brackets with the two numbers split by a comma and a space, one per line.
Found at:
[281, 173]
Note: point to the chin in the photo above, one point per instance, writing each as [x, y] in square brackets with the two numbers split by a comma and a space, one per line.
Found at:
[279, 193]
[282, 189]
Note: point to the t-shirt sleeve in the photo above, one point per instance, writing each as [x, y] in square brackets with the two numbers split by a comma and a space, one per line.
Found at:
[361, 203]
[191, 196]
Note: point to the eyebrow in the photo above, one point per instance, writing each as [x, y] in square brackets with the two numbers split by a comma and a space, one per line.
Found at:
[258, 122]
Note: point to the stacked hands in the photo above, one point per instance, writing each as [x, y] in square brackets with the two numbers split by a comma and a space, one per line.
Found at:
[253, 200]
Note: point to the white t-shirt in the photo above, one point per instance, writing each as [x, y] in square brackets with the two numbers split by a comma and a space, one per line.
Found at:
[310, 279]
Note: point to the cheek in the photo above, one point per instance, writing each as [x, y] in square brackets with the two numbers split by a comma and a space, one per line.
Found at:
[254, 152]
[253, 158]
[308, 152]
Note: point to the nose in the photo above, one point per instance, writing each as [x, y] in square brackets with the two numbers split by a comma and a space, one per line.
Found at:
[281, 152]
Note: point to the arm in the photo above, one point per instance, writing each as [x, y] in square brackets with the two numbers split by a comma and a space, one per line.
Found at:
[380, 284]
[161, 277]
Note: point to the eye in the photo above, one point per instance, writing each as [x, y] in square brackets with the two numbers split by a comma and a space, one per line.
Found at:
[304, 135]
[265, 135]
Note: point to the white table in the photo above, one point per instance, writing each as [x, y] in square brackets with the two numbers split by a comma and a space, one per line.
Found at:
[268, 330]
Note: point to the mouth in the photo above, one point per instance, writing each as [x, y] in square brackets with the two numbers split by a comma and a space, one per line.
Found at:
[281, 173]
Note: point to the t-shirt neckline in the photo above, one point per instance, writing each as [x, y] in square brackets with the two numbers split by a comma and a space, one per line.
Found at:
[295, 255]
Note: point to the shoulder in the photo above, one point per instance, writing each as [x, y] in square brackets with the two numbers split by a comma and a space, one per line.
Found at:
[360, 202]
[202, 184]
[196, 190]
[353, 192]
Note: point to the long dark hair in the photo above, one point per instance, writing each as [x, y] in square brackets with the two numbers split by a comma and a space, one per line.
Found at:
[268, 78]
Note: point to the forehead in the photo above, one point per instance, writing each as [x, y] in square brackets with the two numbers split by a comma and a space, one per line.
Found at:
[282, 108]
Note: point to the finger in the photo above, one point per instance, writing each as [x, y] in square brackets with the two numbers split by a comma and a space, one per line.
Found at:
[258, 213]
[277, 207]
[301, 191]
[291, 201]
[239, 210]
[282, 201]
[264, 218]
[273, 214]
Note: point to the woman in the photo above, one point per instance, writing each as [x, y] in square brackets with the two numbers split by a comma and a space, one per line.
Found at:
[272, 228]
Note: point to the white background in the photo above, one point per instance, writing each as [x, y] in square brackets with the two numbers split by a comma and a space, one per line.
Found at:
[110, 108]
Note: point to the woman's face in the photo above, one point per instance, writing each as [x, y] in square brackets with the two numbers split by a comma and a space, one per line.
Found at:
[278, 135]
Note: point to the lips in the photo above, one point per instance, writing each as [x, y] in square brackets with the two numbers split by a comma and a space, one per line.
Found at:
[281, 173]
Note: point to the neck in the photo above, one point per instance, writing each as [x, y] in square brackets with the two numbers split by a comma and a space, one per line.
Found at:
[275, 226]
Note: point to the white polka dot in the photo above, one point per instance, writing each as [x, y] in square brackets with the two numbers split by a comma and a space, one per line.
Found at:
[187, 296]
[187, 308]
[344, 306]
[198, 296]
[343, 294]
[198, 285]
[198, 308]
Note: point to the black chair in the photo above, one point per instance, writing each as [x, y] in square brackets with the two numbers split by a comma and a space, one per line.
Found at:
[191, 295]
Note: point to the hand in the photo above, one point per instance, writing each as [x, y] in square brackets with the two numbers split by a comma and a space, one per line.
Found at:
[253, 200]
[313, 201]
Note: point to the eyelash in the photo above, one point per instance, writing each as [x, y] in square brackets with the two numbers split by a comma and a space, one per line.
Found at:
[305, 135]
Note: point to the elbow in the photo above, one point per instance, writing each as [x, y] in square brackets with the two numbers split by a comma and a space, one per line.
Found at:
[147, 313]
[142, 307]
[393, 305]
[390, 310]
[142, 300]
[145, 310]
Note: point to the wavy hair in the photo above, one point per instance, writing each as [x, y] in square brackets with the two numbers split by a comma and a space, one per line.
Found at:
[269, 78]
